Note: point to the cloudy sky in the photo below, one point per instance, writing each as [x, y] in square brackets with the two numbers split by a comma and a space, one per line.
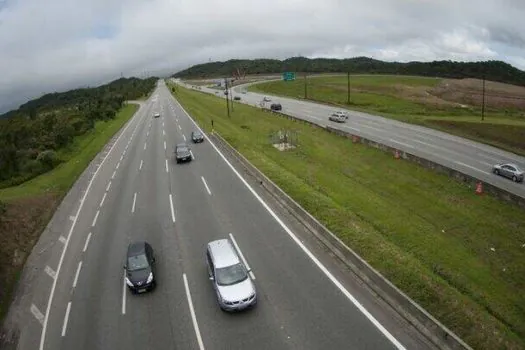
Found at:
[54, 45]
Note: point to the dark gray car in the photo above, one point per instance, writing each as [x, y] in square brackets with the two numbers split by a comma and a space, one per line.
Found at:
[182, 153]
[140, 267]
[510, 171]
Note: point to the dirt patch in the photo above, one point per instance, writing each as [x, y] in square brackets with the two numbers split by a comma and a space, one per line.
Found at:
[20, 227]
[470, 92]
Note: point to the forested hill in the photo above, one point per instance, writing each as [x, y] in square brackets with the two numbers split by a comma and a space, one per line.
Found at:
[31, 134]
[493, 70]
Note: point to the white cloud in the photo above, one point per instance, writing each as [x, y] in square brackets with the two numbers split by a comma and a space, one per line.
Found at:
[60, 44]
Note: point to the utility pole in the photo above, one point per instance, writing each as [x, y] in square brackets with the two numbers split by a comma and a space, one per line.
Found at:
[305, 87]
[231, 95]
[348, 81]
[227, 102]
[483, 100]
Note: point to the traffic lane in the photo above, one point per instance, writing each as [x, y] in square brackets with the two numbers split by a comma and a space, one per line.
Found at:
[94, 317]
[160, 319]
[197, 225]
[248, 220]
[86, 219]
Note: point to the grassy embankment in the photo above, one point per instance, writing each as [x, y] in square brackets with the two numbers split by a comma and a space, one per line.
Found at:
[450, 105]
[30, 205]
[429, 234]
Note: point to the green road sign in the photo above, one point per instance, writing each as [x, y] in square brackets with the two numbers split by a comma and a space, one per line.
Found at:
[288, 76]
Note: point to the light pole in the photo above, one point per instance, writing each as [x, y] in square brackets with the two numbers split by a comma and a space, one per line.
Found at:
[483, 101]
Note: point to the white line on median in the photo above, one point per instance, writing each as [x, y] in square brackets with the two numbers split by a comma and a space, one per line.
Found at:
[66, 318]
[312, 257]
[113, 176]
[206, 185]
[140, 166]
[50, 272]
[38, 315]
[77, 274]
[103, 199]
[192, 312]
[87, 242]
[134, 201]
[71, 229]
[172, 210]
[95, 219]
[242, 256]
[124, 295]
[108, 186]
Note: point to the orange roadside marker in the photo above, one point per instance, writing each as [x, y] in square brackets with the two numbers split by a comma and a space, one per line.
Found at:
[479, 188]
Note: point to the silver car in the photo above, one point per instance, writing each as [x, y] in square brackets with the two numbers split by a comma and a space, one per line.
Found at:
[510, 171]
[340, 114]
[337, 118]
[234, 288]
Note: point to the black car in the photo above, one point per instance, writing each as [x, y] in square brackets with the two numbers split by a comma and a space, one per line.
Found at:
[197, 136]
[276, 107]
[237, 98]
[140, 267]
[182, 153]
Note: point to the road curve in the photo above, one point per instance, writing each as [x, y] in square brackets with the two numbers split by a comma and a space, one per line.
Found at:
[307, 299]
[469, 157]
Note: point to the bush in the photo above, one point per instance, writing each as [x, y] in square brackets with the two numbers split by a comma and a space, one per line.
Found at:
[32, 166]
[48, 159]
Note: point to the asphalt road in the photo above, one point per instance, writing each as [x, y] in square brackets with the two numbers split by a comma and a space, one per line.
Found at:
[306, 298]
[469, 157]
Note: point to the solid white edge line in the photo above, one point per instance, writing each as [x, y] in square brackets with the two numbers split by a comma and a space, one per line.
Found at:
[66, 244]
[66, 318]
[192, 312]
[87, 242]
[471, 167]
[134, 202]
[124, 295]
[172, 209]
[328, 274]
[95, 219]
[108, 186]
[77, 274]
[242, 256]
[206, 185]
[140, 166]
[103, 199]
[166, 165]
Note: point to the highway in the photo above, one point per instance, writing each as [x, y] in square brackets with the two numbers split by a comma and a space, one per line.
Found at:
[306, 298]
[469, 157]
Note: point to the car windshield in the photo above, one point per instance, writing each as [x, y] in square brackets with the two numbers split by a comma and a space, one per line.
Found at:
[137, 262]
[197, 134]
[230, 275]
[182, 149]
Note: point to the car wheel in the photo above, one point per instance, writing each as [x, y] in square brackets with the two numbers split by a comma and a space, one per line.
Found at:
[496, 171]
[514, 178]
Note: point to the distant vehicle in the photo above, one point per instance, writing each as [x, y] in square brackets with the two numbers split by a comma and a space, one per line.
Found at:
[276, 107]
[234, 288]
[511, 171]
[182, 153]
[340, 114]
[337, 118]
[237, 98]
[156, 115]
[266, 99]
[226, 92]
[140, 267]
[197, 136]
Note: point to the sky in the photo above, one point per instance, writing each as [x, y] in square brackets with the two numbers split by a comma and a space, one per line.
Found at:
[56, 45]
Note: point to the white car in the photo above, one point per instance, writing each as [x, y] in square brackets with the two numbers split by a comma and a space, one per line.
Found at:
[337, 118]
[156, 115]
[340, 114]
[266, 99]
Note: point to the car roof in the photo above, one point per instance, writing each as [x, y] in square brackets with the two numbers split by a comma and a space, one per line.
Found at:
[181, 145]
[136, 248]
[223, 253]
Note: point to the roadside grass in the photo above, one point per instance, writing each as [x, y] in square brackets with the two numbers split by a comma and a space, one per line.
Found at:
[31, 205]
[428, 234]
[74, 159]
[381, 95]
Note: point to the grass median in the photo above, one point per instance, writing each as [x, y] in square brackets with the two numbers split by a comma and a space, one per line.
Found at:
[451, 105]
[29, 206]
[457, 254]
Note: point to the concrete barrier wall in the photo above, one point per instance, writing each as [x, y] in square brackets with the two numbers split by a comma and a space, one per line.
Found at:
[410, 310]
